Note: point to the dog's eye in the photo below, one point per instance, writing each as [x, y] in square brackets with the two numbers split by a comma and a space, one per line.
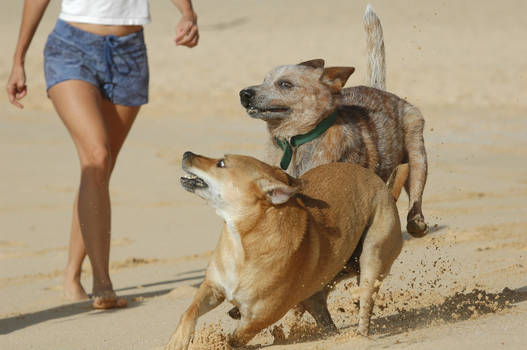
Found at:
[221, 163]
[284, 84]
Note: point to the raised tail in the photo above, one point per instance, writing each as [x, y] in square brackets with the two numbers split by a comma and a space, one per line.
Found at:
[376, 69]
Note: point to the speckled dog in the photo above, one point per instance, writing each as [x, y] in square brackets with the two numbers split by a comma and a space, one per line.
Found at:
[313, 120]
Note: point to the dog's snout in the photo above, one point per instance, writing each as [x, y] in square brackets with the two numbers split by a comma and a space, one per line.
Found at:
[245, 96]
[246, 93]
[187, 155]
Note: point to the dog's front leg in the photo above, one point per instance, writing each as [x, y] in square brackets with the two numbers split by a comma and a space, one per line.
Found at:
[207, 298]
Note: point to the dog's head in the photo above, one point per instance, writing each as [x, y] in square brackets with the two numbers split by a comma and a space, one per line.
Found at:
[299, 94]
[235, 185]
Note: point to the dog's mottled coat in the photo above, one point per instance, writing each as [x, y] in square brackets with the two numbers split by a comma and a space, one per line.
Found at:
[374, 128]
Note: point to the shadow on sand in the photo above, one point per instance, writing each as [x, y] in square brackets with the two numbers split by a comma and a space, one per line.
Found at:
[458, 307]
[11, 324]
[432, 230]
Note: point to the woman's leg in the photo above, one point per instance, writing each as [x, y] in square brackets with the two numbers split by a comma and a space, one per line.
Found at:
[73, 289]
[80, 106]
[118, 121]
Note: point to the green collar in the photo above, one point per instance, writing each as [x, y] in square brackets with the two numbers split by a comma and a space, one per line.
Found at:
[298, 140]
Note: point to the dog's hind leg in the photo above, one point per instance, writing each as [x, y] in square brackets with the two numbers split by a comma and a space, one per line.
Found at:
[370, 281]
[206, 299]
[413, 125]
[317, 307]
[382, 244]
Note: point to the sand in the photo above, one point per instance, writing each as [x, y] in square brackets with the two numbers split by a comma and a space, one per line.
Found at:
[463, 286]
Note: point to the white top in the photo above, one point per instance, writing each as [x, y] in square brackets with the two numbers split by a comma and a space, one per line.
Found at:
[111, 12]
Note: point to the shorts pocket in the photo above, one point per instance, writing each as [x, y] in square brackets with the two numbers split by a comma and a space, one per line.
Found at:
[64, 61]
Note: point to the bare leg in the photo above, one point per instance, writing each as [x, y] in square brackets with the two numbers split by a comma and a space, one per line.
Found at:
[118, 121]
[73, 289]
[81, 108]
[206, 299]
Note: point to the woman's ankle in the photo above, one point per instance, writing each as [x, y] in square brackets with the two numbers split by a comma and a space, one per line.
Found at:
[72, 273]
[102, 286]
[73, 289]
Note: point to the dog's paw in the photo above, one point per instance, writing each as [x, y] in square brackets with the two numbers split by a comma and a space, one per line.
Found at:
[417, 227]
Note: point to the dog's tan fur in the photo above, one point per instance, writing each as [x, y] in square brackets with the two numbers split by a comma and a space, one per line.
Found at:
[285, 239]
[374, 128]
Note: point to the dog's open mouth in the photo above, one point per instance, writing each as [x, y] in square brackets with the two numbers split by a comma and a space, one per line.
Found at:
[191, 182]
[266, 111]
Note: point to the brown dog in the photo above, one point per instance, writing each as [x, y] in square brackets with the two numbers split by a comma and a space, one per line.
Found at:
[285, 239]
[312, 120]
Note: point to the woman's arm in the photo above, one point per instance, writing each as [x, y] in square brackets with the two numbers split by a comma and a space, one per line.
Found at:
[187, 33]
[16, 84]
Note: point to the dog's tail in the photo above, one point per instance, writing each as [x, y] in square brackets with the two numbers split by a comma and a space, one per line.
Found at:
[376, 70]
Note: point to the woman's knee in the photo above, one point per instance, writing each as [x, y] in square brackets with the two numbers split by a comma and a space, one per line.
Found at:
[96, 164]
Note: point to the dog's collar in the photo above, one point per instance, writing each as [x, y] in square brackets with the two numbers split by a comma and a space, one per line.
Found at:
[298, 140]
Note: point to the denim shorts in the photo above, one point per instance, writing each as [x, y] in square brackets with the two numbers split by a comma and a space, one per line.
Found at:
[117, 66]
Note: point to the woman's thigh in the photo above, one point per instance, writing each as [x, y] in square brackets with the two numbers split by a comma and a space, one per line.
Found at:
[118, 120]
[79, 105]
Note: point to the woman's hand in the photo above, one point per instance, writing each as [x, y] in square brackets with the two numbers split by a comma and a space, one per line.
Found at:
[187, 33]
[16, 85]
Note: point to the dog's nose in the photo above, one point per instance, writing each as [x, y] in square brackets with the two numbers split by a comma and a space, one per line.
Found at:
[245, 96]
[187, 155]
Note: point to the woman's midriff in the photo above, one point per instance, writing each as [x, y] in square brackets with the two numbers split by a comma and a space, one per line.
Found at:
[102, 29]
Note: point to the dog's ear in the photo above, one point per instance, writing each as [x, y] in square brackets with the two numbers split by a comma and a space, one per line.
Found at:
[335, 77]
[288, 179]
[317, 63]
[276, 191]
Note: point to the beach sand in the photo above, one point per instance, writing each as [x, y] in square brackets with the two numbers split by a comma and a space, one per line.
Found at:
[464, 286]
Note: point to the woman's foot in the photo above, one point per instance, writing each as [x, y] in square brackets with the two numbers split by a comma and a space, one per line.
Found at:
[108, 300]
[73, 289]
